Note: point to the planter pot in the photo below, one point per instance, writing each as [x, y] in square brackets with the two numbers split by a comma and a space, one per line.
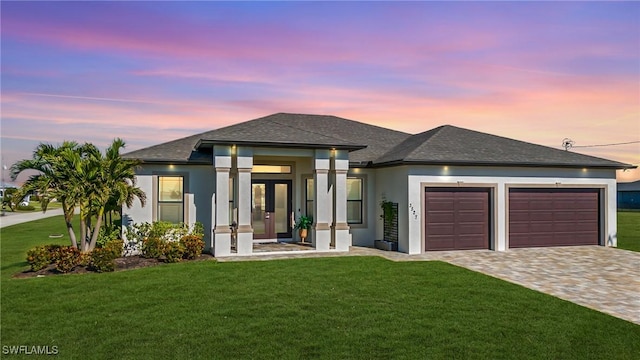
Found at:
[386, 245]
[303, 234]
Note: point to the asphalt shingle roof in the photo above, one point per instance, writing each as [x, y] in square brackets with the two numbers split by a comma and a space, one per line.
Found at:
[453, 145]
[371, 145]
[286, 130]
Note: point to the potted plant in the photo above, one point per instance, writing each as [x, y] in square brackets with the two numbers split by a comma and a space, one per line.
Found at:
[389, 214]
[303, 225]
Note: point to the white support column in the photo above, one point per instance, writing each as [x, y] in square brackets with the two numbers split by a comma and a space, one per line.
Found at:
[222, 232]
[342, 238]
[321, 229]
[245, 231]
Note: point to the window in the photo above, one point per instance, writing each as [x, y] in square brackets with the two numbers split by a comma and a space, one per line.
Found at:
[171, 199]
[232, 213]
[309, 196]
[354, 199]
[271, 169]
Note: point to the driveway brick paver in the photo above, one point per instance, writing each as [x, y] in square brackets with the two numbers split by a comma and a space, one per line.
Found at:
[601, 278]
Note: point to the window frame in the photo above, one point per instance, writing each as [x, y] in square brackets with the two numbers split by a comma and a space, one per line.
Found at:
[362, 201]
[159, 202]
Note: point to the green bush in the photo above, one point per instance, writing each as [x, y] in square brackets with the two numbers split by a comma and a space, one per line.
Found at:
[84, 259]
[193, 246]
[160, 229]
[103, 260]
[25, 208]
[53, 251]
[152, 248]
[39, 257]
[67, 258]
[115, 246]
[173, 252]
[107, 234]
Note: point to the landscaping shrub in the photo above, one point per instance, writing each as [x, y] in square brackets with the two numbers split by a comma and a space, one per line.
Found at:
[67, 258]
[103, 259]
[152, 248]
[84, 259]
[107, 234]
[173, 252]
[115, 246]
[193, 246]
[160, 228]
[25, 208]
[39, 257]
[53, 250]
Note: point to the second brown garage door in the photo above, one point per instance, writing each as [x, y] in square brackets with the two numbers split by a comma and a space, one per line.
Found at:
[553, 217]
[456, 218]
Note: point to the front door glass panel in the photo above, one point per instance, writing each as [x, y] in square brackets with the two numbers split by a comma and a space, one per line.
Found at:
[281, 213]
[258, 197]
[271, 209]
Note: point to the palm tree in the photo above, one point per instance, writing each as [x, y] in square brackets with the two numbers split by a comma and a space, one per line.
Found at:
[55, 179]
[109, 178]
[80, 176]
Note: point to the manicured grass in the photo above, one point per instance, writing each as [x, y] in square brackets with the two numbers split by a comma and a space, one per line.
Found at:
[350, 307]
[629, 230]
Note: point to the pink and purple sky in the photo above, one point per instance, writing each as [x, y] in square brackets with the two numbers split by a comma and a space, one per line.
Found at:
[151, 72]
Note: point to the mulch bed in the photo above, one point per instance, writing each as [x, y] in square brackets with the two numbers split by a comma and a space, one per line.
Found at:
[123, 263]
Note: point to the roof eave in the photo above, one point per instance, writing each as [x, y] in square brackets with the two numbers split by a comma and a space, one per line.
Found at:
[202, 143]
[502, 164]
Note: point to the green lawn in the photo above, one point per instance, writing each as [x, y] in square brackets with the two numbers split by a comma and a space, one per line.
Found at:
[350, 307]
[629, 230]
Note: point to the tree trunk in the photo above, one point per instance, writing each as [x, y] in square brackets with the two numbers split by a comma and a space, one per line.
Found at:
[68, 217]
[83, 235]
[96, 231]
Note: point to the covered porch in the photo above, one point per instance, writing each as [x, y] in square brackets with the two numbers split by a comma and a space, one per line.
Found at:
[261, 190]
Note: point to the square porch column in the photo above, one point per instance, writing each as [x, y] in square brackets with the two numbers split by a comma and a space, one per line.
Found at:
[341, 236]
[222, 232]
[321, 239]
[245, 231]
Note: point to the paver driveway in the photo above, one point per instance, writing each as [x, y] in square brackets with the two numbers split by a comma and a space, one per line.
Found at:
[600, 278]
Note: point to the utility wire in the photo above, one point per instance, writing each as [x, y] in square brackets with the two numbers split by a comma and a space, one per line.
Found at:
[624, 143]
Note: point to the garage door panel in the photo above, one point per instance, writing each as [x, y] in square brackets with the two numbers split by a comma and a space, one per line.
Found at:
[473, 217]
[553, 217]
[456, 218]
[441, 229]
[467, 242]
[439, 217]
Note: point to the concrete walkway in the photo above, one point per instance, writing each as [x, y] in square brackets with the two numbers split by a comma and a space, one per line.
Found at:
[597, 277]
[13, 218]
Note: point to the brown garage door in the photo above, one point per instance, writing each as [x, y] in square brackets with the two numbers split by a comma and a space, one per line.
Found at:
[456, 218]
[553, 217]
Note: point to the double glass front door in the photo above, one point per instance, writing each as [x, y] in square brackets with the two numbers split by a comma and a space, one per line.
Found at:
[271, 209]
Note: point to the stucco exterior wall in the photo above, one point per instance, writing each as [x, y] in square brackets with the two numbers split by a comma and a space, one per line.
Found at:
[391, 183]
[199, 180]
[501, 179]
[364, 234]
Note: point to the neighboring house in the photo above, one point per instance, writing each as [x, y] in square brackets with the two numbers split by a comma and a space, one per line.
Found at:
[455, 188]
[629, 195]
